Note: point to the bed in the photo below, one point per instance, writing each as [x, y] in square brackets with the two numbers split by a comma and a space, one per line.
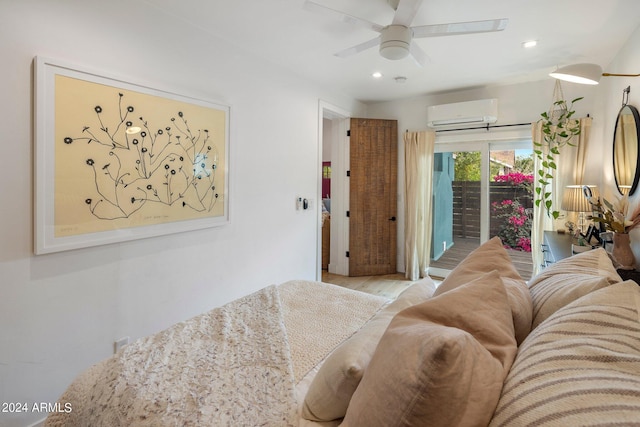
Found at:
[483, 348]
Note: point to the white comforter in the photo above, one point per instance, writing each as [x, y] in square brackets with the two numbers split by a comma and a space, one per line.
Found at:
[236, 365]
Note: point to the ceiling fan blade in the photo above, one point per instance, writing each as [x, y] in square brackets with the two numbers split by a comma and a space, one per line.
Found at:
[457, 28]
[406, 11]
[358, 48]
[419, 56]
[350, 19]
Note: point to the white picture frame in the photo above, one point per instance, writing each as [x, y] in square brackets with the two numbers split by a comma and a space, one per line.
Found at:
[116, 161]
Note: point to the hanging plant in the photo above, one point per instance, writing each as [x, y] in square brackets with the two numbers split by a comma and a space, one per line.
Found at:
[558, 129]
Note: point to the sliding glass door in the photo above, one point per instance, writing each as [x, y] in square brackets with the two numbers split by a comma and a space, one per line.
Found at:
[481, 190]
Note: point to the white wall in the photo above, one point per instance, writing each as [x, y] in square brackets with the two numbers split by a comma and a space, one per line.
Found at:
[609, 102]
[61, 312]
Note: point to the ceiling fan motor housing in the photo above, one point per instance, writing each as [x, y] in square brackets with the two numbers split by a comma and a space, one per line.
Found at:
[395, 42]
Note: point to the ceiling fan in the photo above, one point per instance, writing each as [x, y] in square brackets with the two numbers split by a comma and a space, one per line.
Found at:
[395, 40]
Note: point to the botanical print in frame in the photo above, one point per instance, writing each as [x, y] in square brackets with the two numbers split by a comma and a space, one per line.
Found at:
[117, 161]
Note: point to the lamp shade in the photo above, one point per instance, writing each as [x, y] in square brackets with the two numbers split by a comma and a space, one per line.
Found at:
[574, 200]
[589, 74]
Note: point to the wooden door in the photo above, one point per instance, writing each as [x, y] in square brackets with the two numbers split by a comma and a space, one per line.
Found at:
[372, 199]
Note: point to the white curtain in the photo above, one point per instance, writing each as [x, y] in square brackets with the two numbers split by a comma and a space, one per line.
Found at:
[418, 166]
[571, 167]
[569, 171]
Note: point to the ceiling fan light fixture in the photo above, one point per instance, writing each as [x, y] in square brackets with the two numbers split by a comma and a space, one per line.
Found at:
[579, 73]
[394, 51]
[395, 42]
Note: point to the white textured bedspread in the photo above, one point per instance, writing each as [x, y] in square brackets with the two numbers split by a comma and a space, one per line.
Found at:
[231, 366]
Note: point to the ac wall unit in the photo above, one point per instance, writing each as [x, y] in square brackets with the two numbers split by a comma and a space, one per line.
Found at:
[482, 111]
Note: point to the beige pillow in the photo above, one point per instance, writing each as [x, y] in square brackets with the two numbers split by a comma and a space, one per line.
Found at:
[440, 363]
[579, 367]
[338, 377]
[568, 280]
[521, 306]
[490, 256]
[415, 294]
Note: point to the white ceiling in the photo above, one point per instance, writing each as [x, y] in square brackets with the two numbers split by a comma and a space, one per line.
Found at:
[282, 31]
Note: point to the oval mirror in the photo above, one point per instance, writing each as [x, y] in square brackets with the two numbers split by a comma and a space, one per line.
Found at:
[625, 149]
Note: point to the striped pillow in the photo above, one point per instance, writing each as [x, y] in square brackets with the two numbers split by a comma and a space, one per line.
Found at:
[580, 366]
[568, 280]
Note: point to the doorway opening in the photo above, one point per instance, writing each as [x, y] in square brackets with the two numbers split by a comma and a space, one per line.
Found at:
[333, 153]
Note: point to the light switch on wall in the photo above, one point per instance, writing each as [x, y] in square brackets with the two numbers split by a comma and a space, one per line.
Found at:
[304, 204]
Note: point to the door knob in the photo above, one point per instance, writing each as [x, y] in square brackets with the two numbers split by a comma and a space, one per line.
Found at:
[393, 218]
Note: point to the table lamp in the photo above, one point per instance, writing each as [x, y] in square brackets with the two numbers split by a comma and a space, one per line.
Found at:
[574, 200]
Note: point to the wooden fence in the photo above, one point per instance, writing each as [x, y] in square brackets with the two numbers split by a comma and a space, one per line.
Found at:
[466, 205]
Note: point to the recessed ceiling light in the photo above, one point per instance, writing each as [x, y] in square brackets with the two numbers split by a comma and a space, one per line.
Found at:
[529, 43]
[377, 75]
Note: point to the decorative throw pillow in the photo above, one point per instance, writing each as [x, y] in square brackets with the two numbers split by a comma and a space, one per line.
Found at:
[338, 377]
[440, 363]
[490, 256]
[580, 366]
[595, 263]
[568, 280]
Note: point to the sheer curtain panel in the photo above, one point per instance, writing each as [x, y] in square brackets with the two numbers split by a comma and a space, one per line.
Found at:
[418, 166]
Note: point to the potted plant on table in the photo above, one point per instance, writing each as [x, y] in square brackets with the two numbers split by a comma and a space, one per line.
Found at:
[615, 218]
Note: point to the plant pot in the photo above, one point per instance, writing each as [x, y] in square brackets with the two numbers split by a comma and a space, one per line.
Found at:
[622, 252]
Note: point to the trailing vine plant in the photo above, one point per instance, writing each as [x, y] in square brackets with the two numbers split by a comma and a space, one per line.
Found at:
[558, 129]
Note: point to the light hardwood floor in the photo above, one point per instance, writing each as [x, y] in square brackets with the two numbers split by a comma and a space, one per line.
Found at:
[389, 286]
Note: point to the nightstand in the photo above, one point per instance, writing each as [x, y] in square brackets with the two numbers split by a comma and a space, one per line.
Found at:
[556, 247]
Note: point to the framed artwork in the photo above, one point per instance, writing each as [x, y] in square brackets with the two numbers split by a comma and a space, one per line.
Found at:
[117, 161]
